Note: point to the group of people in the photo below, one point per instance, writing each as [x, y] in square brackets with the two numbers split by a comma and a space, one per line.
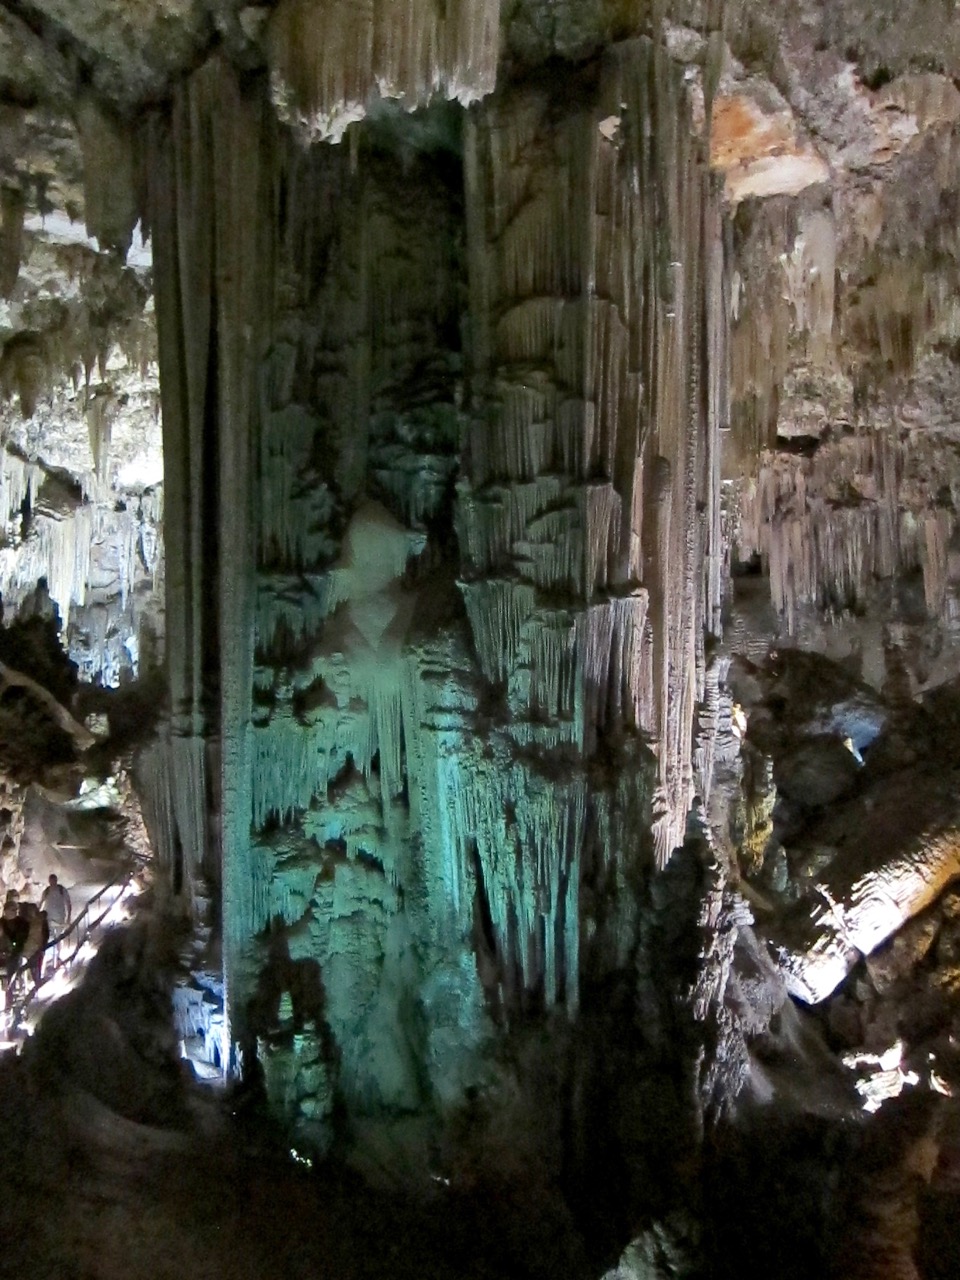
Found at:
[27, 927]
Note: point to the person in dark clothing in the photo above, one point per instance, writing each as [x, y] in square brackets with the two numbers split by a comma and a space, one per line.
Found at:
[16, 929]
[37, 939]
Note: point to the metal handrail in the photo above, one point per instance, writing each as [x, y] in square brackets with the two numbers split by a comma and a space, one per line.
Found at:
[26, 966]
[123, 881]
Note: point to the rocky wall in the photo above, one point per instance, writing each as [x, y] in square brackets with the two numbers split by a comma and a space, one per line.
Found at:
[81, 472]
[843, 329]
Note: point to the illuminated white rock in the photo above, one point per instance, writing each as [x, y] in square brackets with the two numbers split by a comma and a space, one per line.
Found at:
[902, 848]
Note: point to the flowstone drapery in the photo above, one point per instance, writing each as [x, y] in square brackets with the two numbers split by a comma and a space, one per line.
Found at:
[438, 583]
[593, 479]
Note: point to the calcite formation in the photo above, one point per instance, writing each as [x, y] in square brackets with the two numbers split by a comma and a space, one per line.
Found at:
[81, 493]
[446, 533]
[527, 371]
[904, 853]
[439, 781]
[844, 317]
[328, 61]
[864, 509]
[608, 371]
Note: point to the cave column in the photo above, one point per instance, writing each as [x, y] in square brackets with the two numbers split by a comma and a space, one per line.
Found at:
[590, 503]
[211, 216]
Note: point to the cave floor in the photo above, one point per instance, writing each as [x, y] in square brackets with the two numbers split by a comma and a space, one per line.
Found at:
[90, 1195]
[116, 1165]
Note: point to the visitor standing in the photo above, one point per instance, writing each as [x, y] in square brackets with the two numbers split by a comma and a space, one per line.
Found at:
[56, 903]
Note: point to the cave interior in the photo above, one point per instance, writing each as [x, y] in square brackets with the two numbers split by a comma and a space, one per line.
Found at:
[480, 578]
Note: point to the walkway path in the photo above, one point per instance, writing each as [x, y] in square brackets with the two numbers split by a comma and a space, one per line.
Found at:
[22, 1005]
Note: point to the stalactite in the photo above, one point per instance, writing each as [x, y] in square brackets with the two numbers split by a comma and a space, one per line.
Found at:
[294, 513]
[173, 776]
[24, 370]
[781, 309]
[492, 520]
[891, 315]
[19, 482]
[860, 510]
[292, 605]
[498, 610]
[287, 770]
[329, 61]
[110, 203]
[13, 208]
[100, 406]
[57, 550]
[596, 468]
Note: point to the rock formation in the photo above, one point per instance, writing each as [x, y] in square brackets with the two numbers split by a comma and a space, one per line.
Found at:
[558, 569]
